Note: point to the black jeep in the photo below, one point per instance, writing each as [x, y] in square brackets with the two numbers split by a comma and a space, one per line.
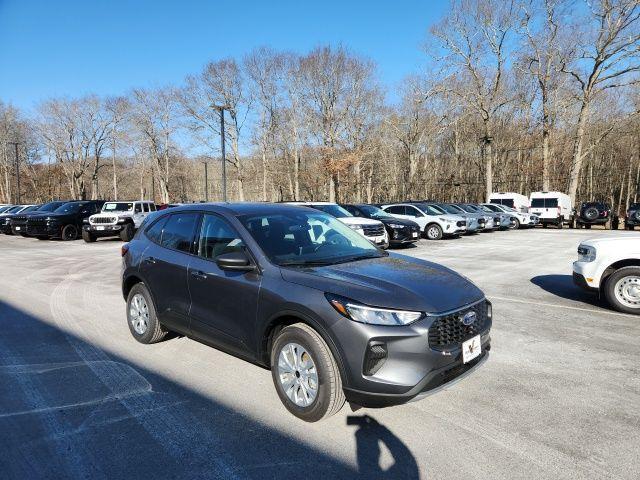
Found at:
[65, 222]
[633, 216]
[595, 213]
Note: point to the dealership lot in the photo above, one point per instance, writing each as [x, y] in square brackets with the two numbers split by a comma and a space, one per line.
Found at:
[79, 397]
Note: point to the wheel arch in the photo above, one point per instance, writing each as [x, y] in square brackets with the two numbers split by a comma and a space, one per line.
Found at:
[129, 283]
[627, 262]
[284, 319]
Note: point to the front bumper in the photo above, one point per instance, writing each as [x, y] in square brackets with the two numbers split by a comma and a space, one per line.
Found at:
[411, 369]
[44, 230]
[403, 236]
[586, 275]
[107, 230]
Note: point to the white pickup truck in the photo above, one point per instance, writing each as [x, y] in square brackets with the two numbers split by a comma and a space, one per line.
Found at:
[611, 266]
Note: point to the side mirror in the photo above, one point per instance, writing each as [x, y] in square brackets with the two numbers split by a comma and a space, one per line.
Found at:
[238, 261]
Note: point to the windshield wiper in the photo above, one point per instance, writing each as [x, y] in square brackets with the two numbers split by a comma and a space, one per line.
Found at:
[304, 263]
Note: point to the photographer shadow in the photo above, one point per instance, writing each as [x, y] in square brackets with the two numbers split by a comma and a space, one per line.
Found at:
[369, 437]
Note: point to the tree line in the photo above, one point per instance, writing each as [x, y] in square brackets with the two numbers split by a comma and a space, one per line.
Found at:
[520, 95]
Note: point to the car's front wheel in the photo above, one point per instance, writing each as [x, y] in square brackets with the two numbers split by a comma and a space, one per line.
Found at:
[141, 316]
[305, 373]
[433, 231]
[127, 233]
[88, 236]
[622, 290]
[69, 232]
[515, 225]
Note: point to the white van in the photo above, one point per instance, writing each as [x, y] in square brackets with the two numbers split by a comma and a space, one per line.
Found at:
[510, 199]
[552, 207]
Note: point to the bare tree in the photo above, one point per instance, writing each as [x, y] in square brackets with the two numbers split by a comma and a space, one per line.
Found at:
[474, 38]
[606, 55]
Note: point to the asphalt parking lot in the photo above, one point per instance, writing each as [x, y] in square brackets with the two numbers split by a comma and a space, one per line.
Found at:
[80, 398]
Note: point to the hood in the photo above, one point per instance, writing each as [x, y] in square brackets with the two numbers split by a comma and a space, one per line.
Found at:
[629, 244]
[57, 216]
[399, 221]
[112, 214]
[395, 281]
[359, 221]
[453, 218]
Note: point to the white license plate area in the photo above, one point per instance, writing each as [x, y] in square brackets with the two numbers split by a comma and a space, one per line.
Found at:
[18, 228]
[414, 235]
[100, 228]
[471, 349]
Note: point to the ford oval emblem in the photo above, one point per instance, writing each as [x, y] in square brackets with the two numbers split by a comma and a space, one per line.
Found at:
[469, 318]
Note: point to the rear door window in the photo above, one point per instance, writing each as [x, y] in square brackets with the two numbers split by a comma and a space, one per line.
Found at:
[397, 210]
[154, 232]
[178, 232]
[547, 202]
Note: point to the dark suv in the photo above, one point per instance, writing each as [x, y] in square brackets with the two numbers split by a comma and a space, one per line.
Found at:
[65, 222]
[295, 290]
[594, 213]
[18, 223]
[402, 232]
[632, 219]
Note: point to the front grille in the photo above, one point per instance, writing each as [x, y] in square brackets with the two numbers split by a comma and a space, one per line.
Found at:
[461, 223]
[36, 221]
[448, 332]
[481, 221]
[373, 230]
[37, 229]
[102, 220]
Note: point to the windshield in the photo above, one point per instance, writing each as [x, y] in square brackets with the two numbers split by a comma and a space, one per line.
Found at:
[374, 212]
[544, 203]
[30, 209]
[492, 208]
[436, 208]
[470, 208]
[503, 201]
[430, 209]
[71, 207]
[335, 210]
[451, 209]
[50, 207]
[14, 209]
[118, 207]
[305, 239]
[5, 208]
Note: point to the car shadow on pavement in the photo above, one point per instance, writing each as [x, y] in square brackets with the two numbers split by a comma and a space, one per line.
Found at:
[562, 286]
[72, 409]
[369, 435]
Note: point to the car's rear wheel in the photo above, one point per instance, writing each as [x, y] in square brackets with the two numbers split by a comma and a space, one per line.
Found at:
[515, 225]
[141, 316]
[88, 236]
[433, 231]
[305, 373]
[69, 232]
[127, 233]
[560, 222]
[622, 290]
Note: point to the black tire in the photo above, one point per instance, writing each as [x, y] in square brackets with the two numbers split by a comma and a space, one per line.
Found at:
[88, 237]
[330, 396]
[587, 226]
[433, 231]
[42, 238]
[609, 289]
[154, 331]
[630, 227]
[69, 232]
[544, 225]
[127, 232]
[516, 225]
[560, 223]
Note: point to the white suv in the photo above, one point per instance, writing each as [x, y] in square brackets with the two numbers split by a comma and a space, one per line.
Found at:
[433, 222]
[611, 266]
[521, 219]
[117, 219]
[371, 229]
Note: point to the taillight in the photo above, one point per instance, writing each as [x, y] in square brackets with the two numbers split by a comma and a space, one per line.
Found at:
[124, 249]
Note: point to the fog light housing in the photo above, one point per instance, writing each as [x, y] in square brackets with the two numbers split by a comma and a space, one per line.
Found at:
[374, 357]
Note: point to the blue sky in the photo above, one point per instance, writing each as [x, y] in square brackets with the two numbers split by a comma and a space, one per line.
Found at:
[71, 47]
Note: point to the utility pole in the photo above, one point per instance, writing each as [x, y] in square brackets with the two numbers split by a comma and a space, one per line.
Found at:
[221, 109]
[15, 144]
[206, 182]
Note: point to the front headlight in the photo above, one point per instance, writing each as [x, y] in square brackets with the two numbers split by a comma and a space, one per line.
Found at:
[396, 226]
[357, 228]
[586, 253]
[446, 220]
[372, 315]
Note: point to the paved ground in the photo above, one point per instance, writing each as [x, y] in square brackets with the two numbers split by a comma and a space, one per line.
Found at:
[79, 398]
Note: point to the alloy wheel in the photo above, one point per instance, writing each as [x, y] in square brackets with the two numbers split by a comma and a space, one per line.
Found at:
[298, 374]
[139, 314]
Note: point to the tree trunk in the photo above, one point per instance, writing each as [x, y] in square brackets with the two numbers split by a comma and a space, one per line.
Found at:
[576, 162]
[487, 158]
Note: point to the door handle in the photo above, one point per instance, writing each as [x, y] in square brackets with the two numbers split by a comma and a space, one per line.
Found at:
[198, 274]
[150, 260]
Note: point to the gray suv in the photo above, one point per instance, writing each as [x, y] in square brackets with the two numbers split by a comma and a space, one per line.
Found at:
[295, 290]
